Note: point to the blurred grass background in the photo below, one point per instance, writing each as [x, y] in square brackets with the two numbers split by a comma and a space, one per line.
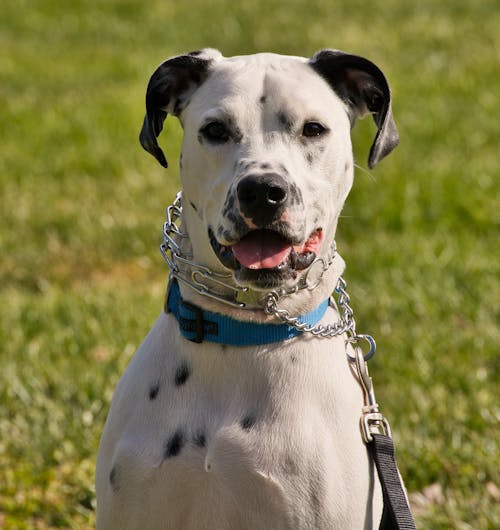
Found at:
[81, 278]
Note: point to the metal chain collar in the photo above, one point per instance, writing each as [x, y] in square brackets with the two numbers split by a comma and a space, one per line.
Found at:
[242, 298]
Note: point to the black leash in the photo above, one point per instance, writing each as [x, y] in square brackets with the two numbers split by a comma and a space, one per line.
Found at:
[377, 437]
[396, 514]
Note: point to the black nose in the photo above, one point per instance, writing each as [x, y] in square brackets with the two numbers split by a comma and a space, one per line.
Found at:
[262, 198]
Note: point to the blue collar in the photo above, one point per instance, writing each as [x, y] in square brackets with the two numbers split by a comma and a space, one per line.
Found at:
[198, 325]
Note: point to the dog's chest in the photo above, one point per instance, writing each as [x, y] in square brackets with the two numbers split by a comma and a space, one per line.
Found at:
[229, 437]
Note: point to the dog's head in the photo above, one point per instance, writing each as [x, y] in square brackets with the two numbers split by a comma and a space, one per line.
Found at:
[266, 161]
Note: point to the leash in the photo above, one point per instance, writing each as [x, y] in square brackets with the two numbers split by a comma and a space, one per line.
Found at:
[376, 434]
[396, 514]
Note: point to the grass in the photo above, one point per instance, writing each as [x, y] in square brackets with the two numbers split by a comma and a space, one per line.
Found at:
[81, 279]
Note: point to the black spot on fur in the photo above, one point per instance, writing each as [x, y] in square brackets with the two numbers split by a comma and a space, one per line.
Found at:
[293, 358]
[153, 391]
[295, 196]
[282, 117]
[193, 206]
[199, 439]
[282, 169]
[239, 225]
[265, 165]
[263, 99]
[113, 479]
[174, 445]
[309, 158]
[182, 374]
[286, 121]
[195, 53]
[290, 466]
[237, 135]
[228, 205]
[247, 422]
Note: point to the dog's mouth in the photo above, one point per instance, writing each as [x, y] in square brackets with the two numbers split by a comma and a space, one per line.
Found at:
[266, 258]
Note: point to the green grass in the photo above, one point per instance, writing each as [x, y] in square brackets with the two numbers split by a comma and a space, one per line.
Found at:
[81, 278]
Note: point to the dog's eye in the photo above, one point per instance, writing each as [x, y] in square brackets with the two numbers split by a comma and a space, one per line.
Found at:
[215, 132]
[312, 128]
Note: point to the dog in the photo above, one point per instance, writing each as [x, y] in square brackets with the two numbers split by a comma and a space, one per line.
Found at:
[249, 430]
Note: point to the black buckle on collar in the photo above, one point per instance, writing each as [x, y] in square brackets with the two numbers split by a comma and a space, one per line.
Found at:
[197, 325]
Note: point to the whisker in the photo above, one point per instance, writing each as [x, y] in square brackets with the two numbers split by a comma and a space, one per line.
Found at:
[365, 171]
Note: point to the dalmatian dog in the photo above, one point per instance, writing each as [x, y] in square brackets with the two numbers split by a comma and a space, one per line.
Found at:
[236, 433]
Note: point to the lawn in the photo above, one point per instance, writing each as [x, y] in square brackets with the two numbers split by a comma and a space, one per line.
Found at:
[81, 278]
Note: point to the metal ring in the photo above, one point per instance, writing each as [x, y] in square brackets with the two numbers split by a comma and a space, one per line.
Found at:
[369, 339]
[312, 286]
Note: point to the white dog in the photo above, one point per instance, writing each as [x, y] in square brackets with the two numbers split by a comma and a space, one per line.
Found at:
[228, 417]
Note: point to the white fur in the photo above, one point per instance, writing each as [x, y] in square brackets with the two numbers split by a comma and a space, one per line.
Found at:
[302, 464]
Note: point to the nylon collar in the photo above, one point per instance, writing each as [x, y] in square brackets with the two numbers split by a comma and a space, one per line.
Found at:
[198, 325]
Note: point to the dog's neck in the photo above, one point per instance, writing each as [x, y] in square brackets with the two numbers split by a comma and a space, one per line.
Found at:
[322, 281]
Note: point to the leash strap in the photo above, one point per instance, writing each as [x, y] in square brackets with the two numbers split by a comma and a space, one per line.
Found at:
[198, 325]
[376, 434]
[396, 514]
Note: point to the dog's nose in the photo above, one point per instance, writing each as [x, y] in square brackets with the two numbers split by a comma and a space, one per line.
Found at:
[262, 198]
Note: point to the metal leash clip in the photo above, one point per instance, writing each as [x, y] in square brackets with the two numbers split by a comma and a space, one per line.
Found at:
[372, 421]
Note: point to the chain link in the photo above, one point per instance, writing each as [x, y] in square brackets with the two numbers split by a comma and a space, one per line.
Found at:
[345, 324]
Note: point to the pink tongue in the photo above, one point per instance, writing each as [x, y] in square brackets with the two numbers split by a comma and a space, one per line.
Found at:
[261, 250]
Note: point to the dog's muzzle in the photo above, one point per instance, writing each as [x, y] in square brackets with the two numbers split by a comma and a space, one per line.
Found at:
[265, 245]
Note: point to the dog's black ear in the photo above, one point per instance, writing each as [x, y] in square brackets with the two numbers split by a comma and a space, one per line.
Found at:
[169, 90]
[364, 88]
